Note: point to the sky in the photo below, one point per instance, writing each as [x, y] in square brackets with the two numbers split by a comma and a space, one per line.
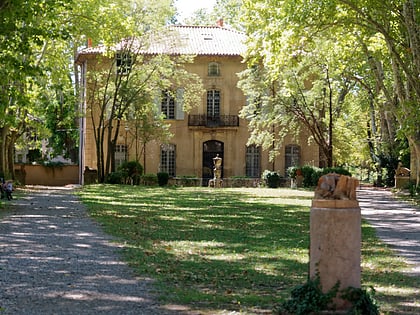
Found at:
[187, 7]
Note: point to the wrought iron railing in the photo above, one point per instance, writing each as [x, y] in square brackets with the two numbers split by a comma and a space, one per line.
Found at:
[213, 121]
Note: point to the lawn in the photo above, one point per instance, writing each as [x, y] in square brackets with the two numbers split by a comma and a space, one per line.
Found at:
[223, 251]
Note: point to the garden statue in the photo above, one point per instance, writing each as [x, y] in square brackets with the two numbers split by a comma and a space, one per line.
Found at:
[402, 171]
[402, 177]
[336, 186]
[217, 170]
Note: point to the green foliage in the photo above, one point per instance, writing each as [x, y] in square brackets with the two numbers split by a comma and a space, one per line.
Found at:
[308, 298]
[149, 179]
[53, 164]
[115, 177]
[351, 84]
[311, 174]
[58, 104]
[163, 178]
[131, 171]
[271, 179]
[413, 189]
[363, 301]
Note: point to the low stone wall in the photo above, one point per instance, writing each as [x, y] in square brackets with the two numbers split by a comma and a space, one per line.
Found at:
[47, 175]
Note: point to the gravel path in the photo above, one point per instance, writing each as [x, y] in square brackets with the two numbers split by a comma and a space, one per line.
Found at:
[396, 222]
[55, 260]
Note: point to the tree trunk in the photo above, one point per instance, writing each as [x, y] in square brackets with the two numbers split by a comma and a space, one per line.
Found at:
[415, 159]
[3, 151]
[10, 154]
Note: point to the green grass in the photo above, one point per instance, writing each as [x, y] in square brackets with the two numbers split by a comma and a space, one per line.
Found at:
[224, 250]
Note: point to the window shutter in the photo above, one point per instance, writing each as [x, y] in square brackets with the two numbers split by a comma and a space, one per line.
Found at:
[157, 100]
[179, 103]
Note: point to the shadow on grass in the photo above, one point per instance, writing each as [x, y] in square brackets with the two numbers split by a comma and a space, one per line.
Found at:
[220, 250]
[210, 249]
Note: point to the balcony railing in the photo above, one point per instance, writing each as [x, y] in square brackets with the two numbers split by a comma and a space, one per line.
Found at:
[213, 121]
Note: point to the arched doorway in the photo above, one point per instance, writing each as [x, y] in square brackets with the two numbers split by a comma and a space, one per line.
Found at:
[210, 150]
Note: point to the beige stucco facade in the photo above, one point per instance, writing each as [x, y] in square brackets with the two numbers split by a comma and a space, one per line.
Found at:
[190, 138]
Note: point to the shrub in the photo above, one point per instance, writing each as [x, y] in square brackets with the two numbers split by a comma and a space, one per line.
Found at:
[163, 178]
[311, 174]
[149, 179]
[114, 178]
[309, 298]
[131, 171]
[362, 301]
[271, 179]
[413, 189]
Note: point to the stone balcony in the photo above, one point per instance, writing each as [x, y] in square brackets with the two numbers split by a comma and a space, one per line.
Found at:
[213, 121]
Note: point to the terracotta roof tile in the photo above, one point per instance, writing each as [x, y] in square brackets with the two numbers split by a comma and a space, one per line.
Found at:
[187, 40]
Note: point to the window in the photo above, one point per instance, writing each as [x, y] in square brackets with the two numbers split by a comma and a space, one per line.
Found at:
[213, 69]
[168, 105]
[253, 158]
[124, 63]
[292, 156]
[167, 159]
[213, 103]
[171, 104]
[120, 154]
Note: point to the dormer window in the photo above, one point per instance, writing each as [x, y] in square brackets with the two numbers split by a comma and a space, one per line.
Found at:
[214, 69]
[207, 36]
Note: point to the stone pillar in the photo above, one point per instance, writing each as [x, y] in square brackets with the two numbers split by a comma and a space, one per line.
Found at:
[335, 246]
[402, 182]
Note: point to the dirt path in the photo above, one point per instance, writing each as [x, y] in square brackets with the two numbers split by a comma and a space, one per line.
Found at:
[397, 223]
[55, 260]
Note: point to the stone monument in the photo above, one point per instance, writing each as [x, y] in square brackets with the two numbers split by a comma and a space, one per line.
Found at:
[217, 170]
[335, 232]
[402, 176]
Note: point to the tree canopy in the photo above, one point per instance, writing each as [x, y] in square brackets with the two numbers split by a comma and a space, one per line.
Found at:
[359, 54]
[347, 70]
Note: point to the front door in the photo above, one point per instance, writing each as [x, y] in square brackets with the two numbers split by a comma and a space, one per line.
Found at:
[211, 149]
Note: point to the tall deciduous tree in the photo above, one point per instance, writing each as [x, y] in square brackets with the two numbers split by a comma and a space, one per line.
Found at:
[25, 28]
[126, 79]
[385, 34]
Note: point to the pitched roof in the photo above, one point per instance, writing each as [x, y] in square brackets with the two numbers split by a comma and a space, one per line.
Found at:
[186, 40]
[203, 40]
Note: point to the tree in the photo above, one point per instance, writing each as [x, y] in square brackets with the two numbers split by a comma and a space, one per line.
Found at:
[126, 80]
[25, 28]
[227, 10]
[390, 31]
[305, 90]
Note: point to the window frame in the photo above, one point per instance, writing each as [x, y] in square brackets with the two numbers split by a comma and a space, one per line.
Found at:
[124, 62]
[120, 154]
[168, 159]
[292, 155]
[213, 101]
[253, 161]
[168, 105]
[213, 69]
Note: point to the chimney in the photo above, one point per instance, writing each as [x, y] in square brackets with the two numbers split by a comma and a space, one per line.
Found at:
[89, 42]
[219, 22]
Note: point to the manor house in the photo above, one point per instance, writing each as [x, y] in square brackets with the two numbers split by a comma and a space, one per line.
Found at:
[211, 128]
